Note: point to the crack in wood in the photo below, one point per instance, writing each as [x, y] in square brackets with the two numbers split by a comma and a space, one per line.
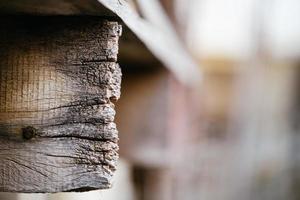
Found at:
[58, 82]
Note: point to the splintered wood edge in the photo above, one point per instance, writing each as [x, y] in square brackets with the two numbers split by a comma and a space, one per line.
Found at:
[79, 153]
[56, 164]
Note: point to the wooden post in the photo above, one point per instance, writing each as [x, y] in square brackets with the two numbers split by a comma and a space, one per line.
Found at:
[58, 78]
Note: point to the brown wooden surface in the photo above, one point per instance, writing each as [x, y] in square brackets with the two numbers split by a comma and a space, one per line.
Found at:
[58, 78]
[166, 112]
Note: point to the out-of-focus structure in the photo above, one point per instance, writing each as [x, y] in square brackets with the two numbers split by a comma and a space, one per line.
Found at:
[232, 135]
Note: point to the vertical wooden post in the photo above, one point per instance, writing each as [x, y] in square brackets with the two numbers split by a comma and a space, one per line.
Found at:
[58, 78]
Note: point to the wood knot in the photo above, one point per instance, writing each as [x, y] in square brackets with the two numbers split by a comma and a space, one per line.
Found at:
[28, 132]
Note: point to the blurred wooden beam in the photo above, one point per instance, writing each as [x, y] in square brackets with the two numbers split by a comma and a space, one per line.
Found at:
[155, 30]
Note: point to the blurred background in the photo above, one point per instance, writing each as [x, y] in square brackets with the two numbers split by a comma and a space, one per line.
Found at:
[234, 134]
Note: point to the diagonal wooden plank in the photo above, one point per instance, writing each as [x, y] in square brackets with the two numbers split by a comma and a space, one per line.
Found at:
[159, 36]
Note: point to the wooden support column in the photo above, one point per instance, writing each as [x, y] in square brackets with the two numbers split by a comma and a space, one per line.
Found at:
[58, 81]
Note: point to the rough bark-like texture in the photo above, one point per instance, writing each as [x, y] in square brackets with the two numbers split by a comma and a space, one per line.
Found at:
[58, 78]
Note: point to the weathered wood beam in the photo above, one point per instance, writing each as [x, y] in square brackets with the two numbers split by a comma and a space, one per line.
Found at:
[58, 81]
[146, 19]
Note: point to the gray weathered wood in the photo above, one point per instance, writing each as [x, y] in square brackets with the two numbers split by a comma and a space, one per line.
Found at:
[146, 20]
[58, 81]
[56, 164]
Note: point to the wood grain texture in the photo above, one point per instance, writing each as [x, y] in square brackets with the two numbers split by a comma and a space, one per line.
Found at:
[58, 82]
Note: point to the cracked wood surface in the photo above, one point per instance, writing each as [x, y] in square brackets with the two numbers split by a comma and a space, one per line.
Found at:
[58, 81]
[146, 19]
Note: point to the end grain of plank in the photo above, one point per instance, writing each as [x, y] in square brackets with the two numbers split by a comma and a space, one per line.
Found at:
[58, 82]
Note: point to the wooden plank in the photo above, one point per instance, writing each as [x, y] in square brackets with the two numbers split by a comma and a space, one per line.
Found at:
[56, 164]
[146, 19]
[58, 82]
[154, 28]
